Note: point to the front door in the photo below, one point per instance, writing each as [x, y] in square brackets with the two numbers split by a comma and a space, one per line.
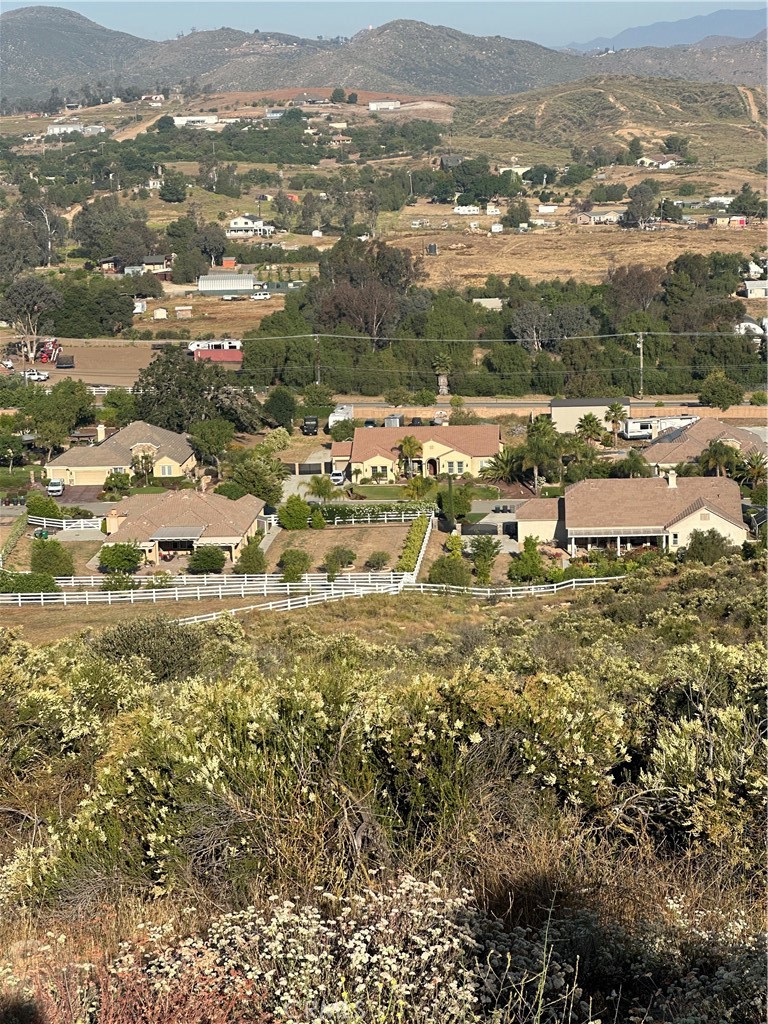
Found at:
[431, 467]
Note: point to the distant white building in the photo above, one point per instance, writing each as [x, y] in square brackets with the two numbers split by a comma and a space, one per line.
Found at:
[153, 97]
[384, 105]
[756, 289]
[546, 208]
[491, 210]
[195, 120]
[64, 129]
[720, 200]
[466, 211]
[495, 305]
[248, 226]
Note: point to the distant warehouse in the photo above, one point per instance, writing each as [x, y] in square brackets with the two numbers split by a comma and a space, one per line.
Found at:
[226, 284]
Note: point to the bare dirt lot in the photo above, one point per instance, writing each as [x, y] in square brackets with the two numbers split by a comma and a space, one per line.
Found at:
[363, 540]
[584, 253]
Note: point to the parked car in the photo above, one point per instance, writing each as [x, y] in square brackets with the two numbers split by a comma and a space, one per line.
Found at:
[370, 423]
[417, 421]
[36, 375]
[55, 488]
[337, 478]
[8, 364]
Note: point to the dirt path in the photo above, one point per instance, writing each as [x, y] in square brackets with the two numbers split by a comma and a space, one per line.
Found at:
[749, 99]
[136, 128]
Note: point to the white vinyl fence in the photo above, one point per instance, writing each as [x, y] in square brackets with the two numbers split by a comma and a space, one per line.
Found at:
[66, 524]
[271, 581]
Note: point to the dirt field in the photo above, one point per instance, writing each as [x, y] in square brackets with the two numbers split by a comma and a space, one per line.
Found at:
[81, 551]
[585, 253]
[361, 539]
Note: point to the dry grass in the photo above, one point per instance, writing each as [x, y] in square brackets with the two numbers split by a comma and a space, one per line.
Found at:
[361, 539]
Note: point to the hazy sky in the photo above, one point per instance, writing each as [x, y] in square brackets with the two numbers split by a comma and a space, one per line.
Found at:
[550, 22]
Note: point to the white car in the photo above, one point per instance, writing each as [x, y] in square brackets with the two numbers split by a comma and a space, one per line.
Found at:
[8, 364]
[37, 375]
[337, 478]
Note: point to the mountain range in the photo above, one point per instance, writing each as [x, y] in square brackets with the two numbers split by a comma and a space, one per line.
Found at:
[732, 26]
[42, 47]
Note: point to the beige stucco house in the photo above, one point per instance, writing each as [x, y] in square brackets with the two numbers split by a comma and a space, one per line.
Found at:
[374, 452]
[181, 521]
[663, 511]
[686, 444]
[90, 465]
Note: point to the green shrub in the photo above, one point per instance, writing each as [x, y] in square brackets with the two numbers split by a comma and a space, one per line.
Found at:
[206, 559]
[528, 566]
[377, 560]
[454, 545]
[27, 583]
[412, 546]
[230, 489]
[41, 505]
[359, 509]
[125, 558]
[121, 581]
[294, 514]
[294, 564]
[52, 558]
[317, 521]
[450, 571]
[170, 650]
[116, 485]
[252, 561]
[336, 559]
[707, 546]
[759, 398]
[76, 512]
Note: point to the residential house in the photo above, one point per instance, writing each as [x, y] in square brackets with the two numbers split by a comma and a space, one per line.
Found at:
[661, 161]
[720, 200]
[195, 120]
[686, 444]
[466, 211]
[153, 97]
[64, 129]
[80, 467]
[310, 99]
[718, 221]
[756, 289]
[180, 521]
[566, 412]
[450, 160]
[374, 451]
[155, 184]
[160, 266]
[273, 115]
[491, 210]
[582, 219]
[660, 511]
[607, 216]
[108, 265]
[339, 140]
[249, 226]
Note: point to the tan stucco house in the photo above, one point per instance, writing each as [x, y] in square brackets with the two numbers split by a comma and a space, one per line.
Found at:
[686, 444]
[90, 465]
[374, 451]
[185, 520]
[663, 511]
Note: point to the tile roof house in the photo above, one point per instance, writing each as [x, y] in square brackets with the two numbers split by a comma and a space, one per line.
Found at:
[185, 520]
[685, 444]
[90, 465]
[663, 511]
[566, 412]
[374, 451]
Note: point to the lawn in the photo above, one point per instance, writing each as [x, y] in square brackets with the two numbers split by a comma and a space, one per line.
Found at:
[380, 492]
[14, 479]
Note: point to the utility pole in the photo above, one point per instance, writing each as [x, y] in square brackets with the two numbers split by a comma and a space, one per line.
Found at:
[317, 358]
[640, 346]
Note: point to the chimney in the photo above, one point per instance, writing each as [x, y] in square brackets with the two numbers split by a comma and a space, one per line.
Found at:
[672, 478]
[101, 433]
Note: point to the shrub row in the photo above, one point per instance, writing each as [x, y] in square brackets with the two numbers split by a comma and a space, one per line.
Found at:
[359, 511]
[412, 547]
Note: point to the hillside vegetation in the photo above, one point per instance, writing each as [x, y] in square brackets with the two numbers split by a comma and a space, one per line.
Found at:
[716, 118]
[541, 812]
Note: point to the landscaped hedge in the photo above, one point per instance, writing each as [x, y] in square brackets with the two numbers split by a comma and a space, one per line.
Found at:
[27, 583]
[355, 510]
[412, 546]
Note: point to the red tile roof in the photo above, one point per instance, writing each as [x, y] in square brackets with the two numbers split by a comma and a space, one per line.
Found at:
[476, 441]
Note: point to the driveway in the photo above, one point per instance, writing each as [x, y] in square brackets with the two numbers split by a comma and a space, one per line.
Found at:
[81, 495]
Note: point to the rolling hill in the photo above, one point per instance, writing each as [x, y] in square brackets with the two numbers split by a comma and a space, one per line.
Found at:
[43, 47]
[683, 32]
[718, 118]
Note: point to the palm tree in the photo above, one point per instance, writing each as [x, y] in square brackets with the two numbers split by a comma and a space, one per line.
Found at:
[410, 449]
[320, 487]
[615, 414]
[633, 465]
[590, 428]
[541, 447]
[718, 456]
[504, 467]
[442, 364]
[752, 469]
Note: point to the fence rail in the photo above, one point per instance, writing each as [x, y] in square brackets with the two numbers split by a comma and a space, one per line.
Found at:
[66, 524]
[378, 517]
[309, 580]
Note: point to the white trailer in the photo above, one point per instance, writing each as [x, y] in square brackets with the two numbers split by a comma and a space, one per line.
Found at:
[650, 427]
[215, 345]
[339, 414]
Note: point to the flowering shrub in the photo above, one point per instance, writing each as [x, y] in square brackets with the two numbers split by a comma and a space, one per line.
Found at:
[359, 510]
[409, 556]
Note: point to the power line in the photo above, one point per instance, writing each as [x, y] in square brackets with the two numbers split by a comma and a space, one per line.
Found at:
[491, 373]
[475, 341]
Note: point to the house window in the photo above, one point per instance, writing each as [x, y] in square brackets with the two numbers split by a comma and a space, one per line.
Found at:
[118, 469]
[166, 471]
[704, 517]
[459, 467]
[450, 467]
[675, 540]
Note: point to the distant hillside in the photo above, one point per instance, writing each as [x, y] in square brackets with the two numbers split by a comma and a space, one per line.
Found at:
[43, 47]
[736, 24]
[40, 46]
[717, 118]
